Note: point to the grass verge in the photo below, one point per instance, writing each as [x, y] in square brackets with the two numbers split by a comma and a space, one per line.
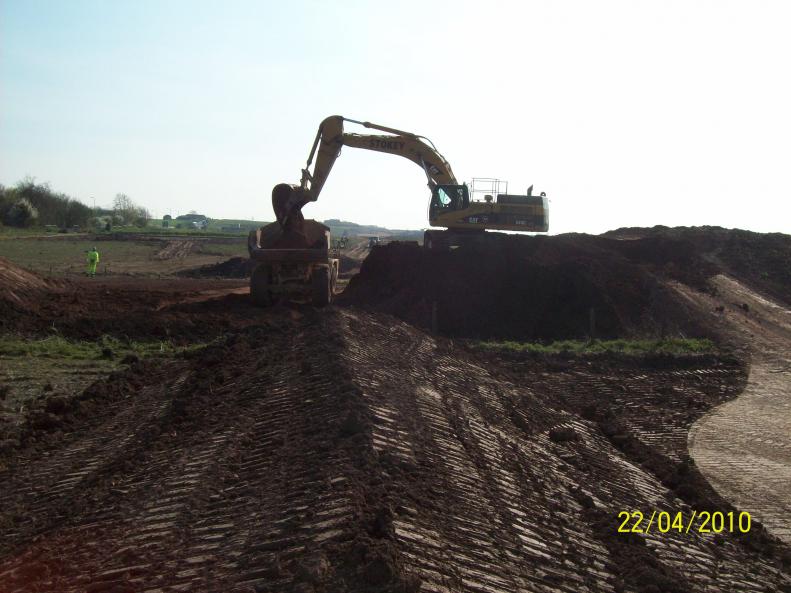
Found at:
[675, 346]
[104, 348]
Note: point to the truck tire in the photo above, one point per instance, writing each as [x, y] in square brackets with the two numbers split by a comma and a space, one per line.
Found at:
[259, 287]
[436, 241]
[334, 279]
[321, 280]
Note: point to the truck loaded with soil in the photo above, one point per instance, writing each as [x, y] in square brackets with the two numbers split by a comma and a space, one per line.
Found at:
[469, 419]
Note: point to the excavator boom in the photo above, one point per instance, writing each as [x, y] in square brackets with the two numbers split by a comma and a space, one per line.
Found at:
[331, 137]
[451, 205]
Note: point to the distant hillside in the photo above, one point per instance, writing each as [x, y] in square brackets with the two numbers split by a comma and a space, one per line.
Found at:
[352, 229]
[337, 228]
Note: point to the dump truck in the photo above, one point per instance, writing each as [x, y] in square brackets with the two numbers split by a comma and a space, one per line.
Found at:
[291, 257]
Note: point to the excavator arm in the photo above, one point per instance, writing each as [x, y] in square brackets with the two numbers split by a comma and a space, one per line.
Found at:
[330, 138]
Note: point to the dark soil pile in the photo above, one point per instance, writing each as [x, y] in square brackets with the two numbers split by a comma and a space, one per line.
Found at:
[18, 285]
[181, 311]
[236, 267]
[21, 291]
[241, 267]
[341, 451]
[759, 259]
[175, 249]
[530, 288]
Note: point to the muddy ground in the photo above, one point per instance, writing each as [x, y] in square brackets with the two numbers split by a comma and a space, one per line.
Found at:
[347, 450]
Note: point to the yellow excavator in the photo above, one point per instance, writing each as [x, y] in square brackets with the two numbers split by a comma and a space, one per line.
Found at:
[293, 253]
[451, 204]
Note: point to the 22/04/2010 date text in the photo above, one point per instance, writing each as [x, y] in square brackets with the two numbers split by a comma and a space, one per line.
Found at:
[702, 522]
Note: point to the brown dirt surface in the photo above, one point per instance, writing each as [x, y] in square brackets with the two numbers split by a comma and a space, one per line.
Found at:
[179, 248]
[744, 447]
[340, 450]
[179, 310]
[22, 291]
[758, 259]
[532, 288]
[235, 267]
[348, 264]
[18, 285]
[241, 267]
[345, 450]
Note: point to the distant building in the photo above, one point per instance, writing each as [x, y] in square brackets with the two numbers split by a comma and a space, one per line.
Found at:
[192, 217]
[195, 221]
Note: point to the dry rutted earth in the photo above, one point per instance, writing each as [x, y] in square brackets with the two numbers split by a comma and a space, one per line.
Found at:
[348, 451]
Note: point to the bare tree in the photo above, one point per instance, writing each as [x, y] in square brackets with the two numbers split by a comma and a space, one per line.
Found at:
[124, 208]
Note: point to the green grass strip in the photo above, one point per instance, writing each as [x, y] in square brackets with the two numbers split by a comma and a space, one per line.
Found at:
[620, 346]
[59, 347]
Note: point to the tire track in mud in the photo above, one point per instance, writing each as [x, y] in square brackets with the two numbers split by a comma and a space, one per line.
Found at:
[486, 501]
[345, 451]
[239, 493]
[55, 481]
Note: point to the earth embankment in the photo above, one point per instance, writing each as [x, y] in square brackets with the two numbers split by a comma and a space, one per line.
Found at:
[346, 451]
[534, 288]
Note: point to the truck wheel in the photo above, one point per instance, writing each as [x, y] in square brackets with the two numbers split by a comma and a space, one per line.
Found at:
[259, 287]
[333, 280]
[436, 241]
[322, 287]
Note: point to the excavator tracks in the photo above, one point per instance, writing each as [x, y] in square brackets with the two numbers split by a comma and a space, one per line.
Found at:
[347, 451]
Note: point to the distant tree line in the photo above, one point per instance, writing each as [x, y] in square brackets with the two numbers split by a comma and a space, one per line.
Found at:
[125, 211]
[35, 204]
[30, 204]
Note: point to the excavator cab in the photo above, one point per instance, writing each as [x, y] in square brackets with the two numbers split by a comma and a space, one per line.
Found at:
[448, 198]
[466, 218]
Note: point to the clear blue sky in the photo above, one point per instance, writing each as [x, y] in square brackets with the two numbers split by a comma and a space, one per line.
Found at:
[625, 113]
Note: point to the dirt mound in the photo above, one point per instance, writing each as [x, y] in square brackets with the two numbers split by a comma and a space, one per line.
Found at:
[759, 259]
[522, 287]
[235, 267]
[313, 455]
[181, 311]
[241, 267]
[175, 249]
[348, 266]
[17, 284]
[21, 292]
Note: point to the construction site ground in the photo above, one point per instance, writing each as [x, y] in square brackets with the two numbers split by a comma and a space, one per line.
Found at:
[352, 448]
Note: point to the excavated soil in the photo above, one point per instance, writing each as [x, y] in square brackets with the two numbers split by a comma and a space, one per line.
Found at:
[346, 451]
[22, 290]
[532, 288]
[241, 267]
[178, 310]
[744, 447]
[175, 249]
[758, 259]
[235, 267]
